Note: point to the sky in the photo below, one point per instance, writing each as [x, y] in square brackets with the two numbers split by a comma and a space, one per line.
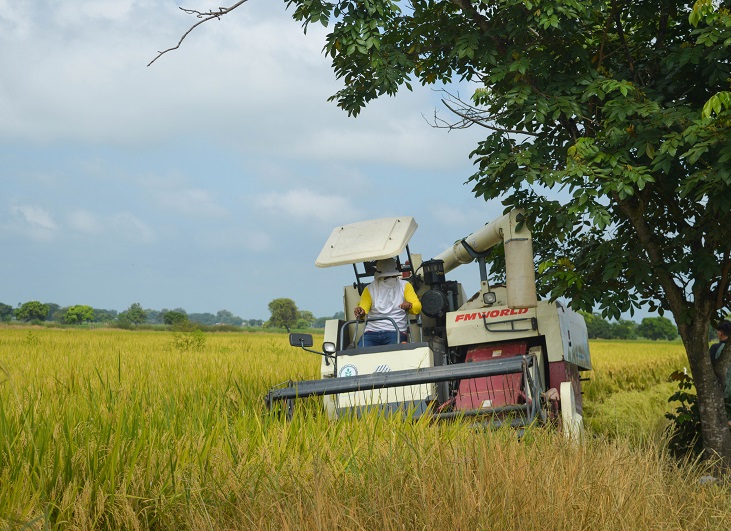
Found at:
[211, 179]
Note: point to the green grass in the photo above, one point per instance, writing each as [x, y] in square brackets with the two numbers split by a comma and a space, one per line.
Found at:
[135, 430]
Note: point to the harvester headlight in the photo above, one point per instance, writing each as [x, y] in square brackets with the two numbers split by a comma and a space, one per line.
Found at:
[328, 347]
[489, 298]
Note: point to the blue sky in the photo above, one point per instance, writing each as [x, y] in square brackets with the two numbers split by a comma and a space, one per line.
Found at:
[211, 179]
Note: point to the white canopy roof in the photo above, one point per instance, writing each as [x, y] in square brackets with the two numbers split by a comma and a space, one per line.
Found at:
[366, 241]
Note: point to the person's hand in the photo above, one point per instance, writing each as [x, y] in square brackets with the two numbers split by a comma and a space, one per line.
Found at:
[359, 312]
[406, 305]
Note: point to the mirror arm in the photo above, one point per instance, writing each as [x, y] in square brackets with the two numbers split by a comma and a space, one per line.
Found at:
[330, 356]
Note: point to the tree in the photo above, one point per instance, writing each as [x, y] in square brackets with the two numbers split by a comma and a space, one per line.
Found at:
[154, 316]
[599, 328]
[596, 326]
[206, 318]
[134, 314]
[52, 309]
[6, 312]
[174, 317]
[104, 316]
[30, 311]
[305, 319]
[657, 328]
[608, 123]
[626, 329]
[79, 314]
[57, 315]
[284, 313]
[226, 317]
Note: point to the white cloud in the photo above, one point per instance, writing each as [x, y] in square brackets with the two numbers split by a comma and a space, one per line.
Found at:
[89, 79]
[471, 215]
[36, 217]
[85, 222]
[82, 12]
[248, 237]
[303, 205]
[191, 202]
[389, 132]
[132, 228]
[255, 240]
[255, 84]
[32, 221]
[251, 83]
[37, 223]
[15, 18]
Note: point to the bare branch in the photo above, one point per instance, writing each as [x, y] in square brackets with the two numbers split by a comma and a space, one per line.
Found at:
[205, 16]
[469, 116]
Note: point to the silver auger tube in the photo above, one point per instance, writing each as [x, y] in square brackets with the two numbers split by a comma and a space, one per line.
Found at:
[520, 277]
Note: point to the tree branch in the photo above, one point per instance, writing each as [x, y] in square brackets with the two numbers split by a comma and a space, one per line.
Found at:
[623, 41]
[467, 8]
[205, 16]
[470, 115]
[635, 214]
[600, 54]
[482, 22]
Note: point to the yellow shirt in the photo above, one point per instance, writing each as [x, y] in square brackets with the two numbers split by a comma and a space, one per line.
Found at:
[409, 296]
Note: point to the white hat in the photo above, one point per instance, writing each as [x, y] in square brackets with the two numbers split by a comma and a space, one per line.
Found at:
[386, 268]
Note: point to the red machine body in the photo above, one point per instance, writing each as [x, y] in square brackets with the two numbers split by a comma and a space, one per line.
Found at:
[492, 391]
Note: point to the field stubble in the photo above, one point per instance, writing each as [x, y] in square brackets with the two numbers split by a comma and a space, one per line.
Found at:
[122, 430]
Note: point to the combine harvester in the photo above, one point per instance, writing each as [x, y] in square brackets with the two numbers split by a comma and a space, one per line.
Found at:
[499, 356]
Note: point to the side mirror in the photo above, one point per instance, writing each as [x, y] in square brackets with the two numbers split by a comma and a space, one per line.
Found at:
[304, 341]
[328, 348]
[300, 340]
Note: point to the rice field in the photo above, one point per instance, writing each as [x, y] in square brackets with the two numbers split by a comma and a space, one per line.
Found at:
[627, 392]
[112, 429]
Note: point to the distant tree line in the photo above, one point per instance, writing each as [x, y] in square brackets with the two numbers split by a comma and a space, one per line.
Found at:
[134, 315]
[284, 314]
[654, 328]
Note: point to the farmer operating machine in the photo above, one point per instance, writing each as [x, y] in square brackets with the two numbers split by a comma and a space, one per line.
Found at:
[499, 356]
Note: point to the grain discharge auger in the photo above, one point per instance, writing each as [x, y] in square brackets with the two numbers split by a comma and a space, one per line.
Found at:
[499, 356]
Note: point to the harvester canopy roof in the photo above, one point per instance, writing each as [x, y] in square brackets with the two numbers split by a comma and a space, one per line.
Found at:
[366, 241]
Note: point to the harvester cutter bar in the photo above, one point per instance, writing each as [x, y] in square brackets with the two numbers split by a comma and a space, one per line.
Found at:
[382, 380]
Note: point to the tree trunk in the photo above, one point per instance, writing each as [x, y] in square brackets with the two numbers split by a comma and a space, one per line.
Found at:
[714, 424]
